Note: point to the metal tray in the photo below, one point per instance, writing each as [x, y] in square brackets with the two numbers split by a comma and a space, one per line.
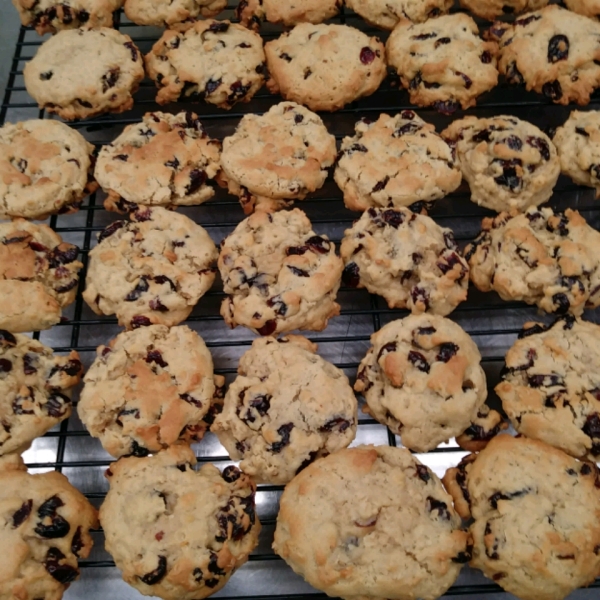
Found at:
[492, 323]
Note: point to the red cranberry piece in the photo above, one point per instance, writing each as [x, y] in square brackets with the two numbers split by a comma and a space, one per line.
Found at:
[57, 405]
[212, 85]
[419, 361]
[140, 321]
[298, 272]
[108, 231]
[318, 244]
[558, 48]
[130, 45]
[440, 507]
[7, 339]
[63, 573]
[447, 351]
[231, 474]
[367, 56]
[351, 275]
[486, 57]
[157, 575]
[446, 107]
[423, 473]
[110, 79]
[527, 20]
[541, 145]
[155, 356]
[389, 347]
[284, 433]
[5, 365]
[140, 288]
[552, 90]
[21, 515]
[268, 328]
[339, 424]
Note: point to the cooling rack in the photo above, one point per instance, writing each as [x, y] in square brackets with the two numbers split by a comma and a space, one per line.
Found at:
[493, 323]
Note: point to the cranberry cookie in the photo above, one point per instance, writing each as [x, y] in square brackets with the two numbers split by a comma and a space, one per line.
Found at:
[426, 357]
[45, 529]
[274, 418]
[166, 160]
[395, 161]
[388, 13]
[552, 51]
[443, 62]
[406, 258]
[50, 16]
[252, 12]
[219, 62]
[279, 275]
[153, 269]
[174, 14]
[35, 387]
[45, 169]
[82, 73]
[492, 9]
[535, 515]
[578, 145]
[508, 163]
[371, 522]
[540, 258]
[275, 158]
[38, 276]
[550, 386]
[325, 66]
[174, 532]
[147, 389]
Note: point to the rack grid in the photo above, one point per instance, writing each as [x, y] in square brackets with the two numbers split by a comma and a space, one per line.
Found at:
[493, 324]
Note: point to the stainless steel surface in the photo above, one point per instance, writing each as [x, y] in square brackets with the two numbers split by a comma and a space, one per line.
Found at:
[493, 323]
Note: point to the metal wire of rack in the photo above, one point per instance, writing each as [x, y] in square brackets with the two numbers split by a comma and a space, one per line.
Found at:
[492, 323]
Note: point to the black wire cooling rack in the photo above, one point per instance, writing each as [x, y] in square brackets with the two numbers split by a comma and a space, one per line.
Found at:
[493, 324]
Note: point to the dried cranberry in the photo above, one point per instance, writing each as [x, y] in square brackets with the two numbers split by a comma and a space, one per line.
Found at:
[423, 473]
[212, 85]
[155, 356]
[423, 36]
[394, 218]
[419, 296]
[407, 128]
[63, 573]
[367, 56]
[351, 275]
[513, 142]
[7, 339]
[536, 381]
[218, 27]
[137, 450]
[552, 90]
[509, 177]
[140, 321]
[231, 474]
[5, 365]
[108, 231]
[278, 305]
[197, 179]
[284, 433]
[298, 272]
[110, 79]
[447, 351]
[513, 75]
[561, 301]
[541, 145]
[130, 45]
[439, 506]
[57, 405]
[441, 42]
[527, 20]
[46, 75]
[486, 57]
[157, 575]
[157, 305]
[419, 361]
[494, 498]
[318, 244]
[338, 423]
[268, 328]
[446, 107]
[21, 515]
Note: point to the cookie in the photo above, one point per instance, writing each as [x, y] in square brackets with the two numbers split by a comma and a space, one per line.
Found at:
[407, 258]
[492, 9]
[487, 424]
[252, 12]
[388, 13]
[550, 386]
[426, 357]
[174, 532]
[443, 62]
[508, 163]
[538, 257]
[81, 73]
[286, 408]
[578, 145]
[50, 16]
[395, 161]
[279, 275]
[35, 387]
[152, 269]
[278, 157]
[45, 169]
[38, 276]
[589, 8]
[165, 160]
[147, 389]
[178, 14]
[45, 529]
[371, 522]
[552, 51]
[535, 514]
[325, 67]
[219, 62]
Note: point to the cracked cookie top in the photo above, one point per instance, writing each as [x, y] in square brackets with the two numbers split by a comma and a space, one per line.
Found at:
[45, 524]
[279, 274]
[219, 62]
[252, 13]
[35, 387]
[407, 258]
[166, 160]
[508, 163]
[426, 357]
[535, 514]
[443, 62]
[275, 419]
[388, 13]
[539, 257]
[173, 14]
[553, 51]
[550, 386]
[38, 276]
[50, 16]
[492, 9]
[325, 67]
[371, 522]
[277, 157]
[45, 169]
[175, 532]
[395, 161]
[80, 73]
[149, 388]
[152, 269]
[578, 145]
